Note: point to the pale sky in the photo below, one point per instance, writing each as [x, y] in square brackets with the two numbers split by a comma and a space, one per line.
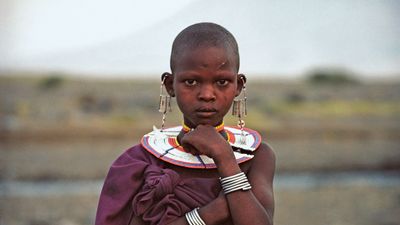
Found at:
[38, 27]
[101, 37]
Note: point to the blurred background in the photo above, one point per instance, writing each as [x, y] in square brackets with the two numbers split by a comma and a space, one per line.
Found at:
[79, 84]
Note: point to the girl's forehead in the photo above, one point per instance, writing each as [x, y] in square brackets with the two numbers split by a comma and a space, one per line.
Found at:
[206, 57]
[200, 50]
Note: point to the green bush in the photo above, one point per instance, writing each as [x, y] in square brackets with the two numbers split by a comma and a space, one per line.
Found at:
[331, 76]
[51, 82]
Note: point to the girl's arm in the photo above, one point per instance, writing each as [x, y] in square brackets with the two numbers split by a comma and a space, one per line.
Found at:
[255, 206]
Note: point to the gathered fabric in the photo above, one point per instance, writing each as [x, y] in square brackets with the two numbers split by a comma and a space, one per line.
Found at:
[140, 185]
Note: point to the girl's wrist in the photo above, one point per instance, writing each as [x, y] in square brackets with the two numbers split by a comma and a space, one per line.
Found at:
[224, 156]
[216, 212]
[227, 165]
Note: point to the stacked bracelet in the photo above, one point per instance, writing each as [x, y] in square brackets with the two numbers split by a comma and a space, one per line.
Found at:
[193, 218]
[235, 182]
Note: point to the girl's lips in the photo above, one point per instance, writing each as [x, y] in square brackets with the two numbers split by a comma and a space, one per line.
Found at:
[206, 109]
[205, 112]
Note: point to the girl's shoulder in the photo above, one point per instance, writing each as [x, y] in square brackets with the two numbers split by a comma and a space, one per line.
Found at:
[264, 160]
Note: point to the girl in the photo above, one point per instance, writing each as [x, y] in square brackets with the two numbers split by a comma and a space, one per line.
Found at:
[201, 172]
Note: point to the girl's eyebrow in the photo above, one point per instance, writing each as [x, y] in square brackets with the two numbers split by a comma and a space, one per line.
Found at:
[223, 76]
[217, 74]
[189, 73]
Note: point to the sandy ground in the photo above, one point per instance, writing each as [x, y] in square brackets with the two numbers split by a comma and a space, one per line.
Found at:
[358, 205]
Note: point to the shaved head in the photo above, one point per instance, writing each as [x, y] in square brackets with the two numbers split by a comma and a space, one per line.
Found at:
[203, 35]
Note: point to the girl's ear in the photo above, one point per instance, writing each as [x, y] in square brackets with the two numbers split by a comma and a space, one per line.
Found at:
[241, 81]
[168, 82]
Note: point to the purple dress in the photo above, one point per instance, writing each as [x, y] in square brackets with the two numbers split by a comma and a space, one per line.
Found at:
[140, 185]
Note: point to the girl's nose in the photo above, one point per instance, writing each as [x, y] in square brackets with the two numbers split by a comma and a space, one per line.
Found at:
[207, 93]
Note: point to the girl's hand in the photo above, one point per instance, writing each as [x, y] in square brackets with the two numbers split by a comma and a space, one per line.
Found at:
[204, 139]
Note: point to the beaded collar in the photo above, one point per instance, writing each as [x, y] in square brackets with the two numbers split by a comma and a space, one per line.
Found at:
[219, 128]
[164, 145]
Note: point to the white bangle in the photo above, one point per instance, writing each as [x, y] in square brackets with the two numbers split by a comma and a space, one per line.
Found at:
[235, 183]
[193, 217]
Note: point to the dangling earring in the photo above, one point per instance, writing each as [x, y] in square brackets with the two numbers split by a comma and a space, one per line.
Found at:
[239, 109]
[165, 102]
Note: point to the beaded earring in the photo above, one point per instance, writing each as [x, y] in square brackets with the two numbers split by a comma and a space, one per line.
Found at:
[239, 109]
[165, 102]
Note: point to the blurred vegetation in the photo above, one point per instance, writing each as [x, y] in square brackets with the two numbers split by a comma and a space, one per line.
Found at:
[331, 76]
[119, 105]
[52, 81]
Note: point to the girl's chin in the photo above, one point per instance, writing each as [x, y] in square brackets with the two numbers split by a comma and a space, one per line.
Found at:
[205, 122]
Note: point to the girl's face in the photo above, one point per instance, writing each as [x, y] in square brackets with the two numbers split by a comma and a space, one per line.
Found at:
[205, 82]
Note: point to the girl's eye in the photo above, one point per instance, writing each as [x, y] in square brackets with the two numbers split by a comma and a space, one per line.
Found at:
[222, 82]
[190, 82]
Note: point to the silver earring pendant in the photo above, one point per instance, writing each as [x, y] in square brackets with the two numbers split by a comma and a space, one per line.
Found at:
[165, 103]
[239, 109]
